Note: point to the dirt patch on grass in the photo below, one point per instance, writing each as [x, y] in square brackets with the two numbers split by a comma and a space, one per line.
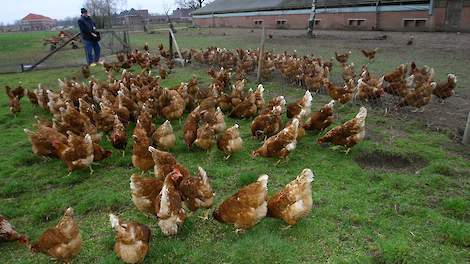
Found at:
[390, 162]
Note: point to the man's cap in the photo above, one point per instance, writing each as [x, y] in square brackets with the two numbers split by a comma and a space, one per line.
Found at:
[83, 11]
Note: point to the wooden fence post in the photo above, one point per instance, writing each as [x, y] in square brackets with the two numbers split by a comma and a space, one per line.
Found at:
[261, 55]
[170, 43]
[466, 134]
[172, 36]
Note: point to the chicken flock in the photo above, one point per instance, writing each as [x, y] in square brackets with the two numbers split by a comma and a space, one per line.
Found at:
[85, 113]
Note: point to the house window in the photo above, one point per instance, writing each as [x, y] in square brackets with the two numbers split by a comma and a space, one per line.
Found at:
[357, 22]
[317, 22]
[414, 22]
[258, 22]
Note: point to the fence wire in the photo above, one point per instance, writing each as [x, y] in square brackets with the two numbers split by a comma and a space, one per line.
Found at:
[73, 54]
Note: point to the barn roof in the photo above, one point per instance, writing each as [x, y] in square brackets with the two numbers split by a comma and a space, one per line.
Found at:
[31, 17]
[232, 6]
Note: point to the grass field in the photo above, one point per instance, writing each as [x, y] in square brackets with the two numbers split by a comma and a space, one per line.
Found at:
[414, 209]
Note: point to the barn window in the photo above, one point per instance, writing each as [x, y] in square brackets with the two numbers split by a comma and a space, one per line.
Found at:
[356, 22]
[281, 23]
[420, 23]
[408, 23]
[414, 22]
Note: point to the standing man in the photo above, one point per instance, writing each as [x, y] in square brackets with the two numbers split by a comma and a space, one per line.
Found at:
[90, 37]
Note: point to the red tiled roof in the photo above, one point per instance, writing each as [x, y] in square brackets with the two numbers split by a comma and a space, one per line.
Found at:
[32, 16]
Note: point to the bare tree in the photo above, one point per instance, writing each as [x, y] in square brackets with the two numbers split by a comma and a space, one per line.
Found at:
[167, 9]
[191, 4]
[103, 7]
[102, 10]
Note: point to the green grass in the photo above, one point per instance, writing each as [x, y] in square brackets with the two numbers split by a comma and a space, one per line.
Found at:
[359, 215]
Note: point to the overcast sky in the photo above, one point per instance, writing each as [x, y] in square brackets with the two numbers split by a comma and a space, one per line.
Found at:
[12, 10]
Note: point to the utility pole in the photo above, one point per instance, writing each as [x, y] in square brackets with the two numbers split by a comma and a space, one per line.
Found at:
[311, 20]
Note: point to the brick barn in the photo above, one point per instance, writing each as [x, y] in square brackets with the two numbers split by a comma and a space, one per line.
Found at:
[405, 15]
[35, 22]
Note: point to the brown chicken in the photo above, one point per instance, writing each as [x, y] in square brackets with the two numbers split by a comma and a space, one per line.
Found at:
[99, 153]
[168, 205]
[322, 119]
[236, 97]
[259, 97]
[61, 242]
[118, 136]
[164, 137]
[14, 97]
[32, 97]
[294, 201]
[423, 75]
[245, 208]
[104, 119]
[245, 109]
[281, 144]
[86, 108]
[86, 71]
[141, 157]
[196, 192]
[349, 133]
[144, 191]
[175, 107]
[342, 57]
[276, 101]
[267, 124]
[400, 87]
[396, 75]
[8, 232]
[305, 103]
[42, 140]
[419, 97]
[348, 72]
[145, 121]
[230, 142]
[370, 90]
[165, 163]
[77, 153]
[163, 73]
[76, 122]
[215, 119]
[446, 89]
[206, 137]
[132, 240]
[17, 92]
[370, 54]
[190, 127]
